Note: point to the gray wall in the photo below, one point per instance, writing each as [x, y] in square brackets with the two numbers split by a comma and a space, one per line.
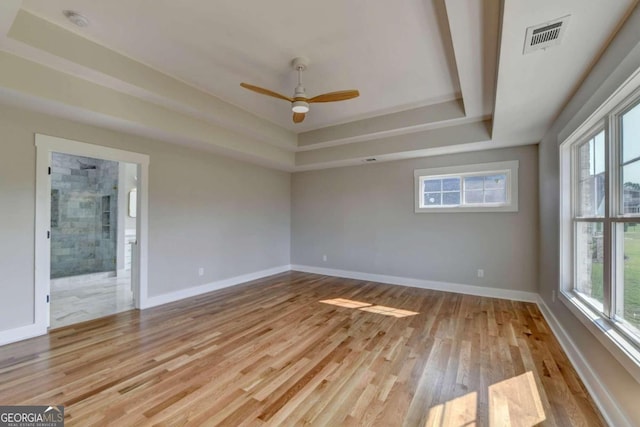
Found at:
[616, 65]
[230, 217]
[362, 218]
[83, 228]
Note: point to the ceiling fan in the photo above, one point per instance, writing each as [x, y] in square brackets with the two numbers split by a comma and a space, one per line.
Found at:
[300, 102]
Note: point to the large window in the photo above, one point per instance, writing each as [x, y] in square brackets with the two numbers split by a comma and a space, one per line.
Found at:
[468, 188]
[601, 221]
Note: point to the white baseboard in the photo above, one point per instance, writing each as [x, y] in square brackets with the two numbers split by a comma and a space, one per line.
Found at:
[600, 394]
[213, 286]
[424, 284]
[21, 333]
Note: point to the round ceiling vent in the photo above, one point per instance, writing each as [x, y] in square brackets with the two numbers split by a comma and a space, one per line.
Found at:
[76, 18]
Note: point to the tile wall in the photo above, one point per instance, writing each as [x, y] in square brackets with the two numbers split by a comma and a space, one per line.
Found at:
[84, 196]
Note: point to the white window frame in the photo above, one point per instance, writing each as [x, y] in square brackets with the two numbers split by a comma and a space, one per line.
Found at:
[612, 333]
[509, 168]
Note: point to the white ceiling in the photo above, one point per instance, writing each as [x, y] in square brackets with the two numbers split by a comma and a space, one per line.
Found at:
[435, 76]
[392, 52]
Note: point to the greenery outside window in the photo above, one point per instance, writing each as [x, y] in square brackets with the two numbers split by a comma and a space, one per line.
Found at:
[600, 224]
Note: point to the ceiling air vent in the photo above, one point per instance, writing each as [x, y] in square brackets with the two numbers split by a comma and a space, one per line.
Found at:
[545, 35]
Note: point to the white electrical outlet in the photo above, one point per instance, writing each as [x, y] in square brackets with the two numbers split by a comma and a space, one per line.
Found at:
[553, 295]
[324, 258]
[480, 272]
[201, 271]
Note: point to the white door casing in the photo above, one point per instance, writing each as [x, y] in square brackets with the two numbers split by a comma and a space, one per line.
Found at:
[45, 145]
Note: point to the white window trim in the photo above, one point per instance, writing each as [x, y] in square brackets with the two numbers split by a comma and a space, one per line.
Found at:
[607, 331]
[509, 167]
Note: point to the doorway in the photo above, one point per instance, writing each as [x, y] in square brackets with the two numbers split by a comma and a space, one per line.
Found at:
[91, 231]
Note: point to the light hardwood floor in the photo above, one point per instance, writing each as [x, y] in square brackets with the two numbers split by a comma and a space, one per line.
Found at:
[271, 353]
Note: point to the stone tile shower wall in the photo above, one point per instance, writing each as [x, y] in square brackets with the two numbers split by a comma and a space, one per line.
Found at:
[84, 196]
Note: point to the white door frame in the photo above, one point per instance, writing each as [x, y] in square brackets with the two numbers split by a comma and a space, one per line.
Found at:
[45, 145]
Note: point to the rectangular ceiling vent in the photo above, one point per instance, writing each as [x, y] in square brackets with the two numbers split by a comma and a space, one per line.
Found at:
[545, 35]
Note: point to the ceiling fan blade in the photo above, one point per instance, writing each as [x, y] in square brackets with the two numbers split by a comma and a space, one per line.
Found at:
[264, 91]
[298, 117]
[341, 95]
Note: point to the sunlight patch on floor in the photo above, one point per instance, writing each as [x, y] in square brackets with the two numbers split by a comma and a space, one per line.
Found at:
[347, 303]
[514, 402]
[371, 308]
[389, 311]
[457, 412]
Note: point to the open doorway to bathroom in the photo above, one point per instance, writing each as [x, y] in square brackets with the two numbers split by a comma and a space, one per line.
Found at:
[134, 209]
[93, 232]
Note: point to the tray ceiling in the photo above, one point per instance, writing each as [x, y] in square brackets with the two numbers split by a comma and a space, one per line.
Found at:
[435, 76]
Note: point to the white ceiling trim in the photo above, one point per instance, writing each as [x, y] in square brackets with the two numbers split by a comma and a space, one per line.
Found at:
[36, 80]
[526, 91]
[399, 133]
[447, 136]
[475, 25]
[396, 54]
[376, 127]
[44, 42]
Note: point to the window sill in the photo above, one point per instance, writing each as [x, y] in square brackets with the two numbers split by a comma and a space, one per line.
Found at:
[613, 340]
[462, 209]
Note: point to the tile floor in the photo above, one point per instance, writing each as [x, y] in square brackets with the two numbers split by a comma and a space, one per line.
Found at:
[81, 298]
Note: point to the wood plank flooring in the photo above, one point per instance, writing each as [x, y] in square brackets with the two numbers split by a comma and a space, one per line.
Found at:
[270, 353]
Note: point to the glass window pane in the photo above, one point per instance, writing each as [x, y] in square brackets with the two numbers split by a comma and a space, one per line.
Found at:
[432, 199]
[473, 196]
[432, 185]
[628, 301]
[495, 181]
[589, 258]
[598, 163]
[495, 196]
[473, 183]
[452, 198]
[631, 134]
[590, 180]
[631, 188]
[451, 184]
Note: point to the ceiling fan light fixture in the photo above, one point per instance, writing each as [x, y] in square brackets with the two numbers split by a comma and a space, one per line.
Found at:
[300, 102]
[300, 107]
